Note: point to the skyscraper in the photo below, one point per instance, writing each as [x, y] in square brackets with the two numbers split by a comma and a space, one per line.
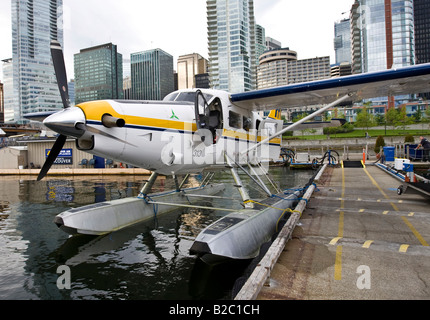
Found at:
[34, 24]
[382, 37]
[422, 30]
[422, 34]
[382, 34]
[342, 41]
[151, 75]
[260, 42]
[231, 42]
[98, 73]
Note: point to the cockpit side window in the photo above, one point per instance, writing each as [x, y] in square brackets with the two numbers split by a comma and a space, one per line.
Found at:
[186, 96]
[171, 96]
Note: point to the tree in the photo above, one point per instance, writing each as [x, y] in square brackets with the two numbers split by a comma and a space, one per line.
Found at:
[380, 142]
[391, 117]
[380, 120]
[418, 116]
[402, 118]
[365, 119]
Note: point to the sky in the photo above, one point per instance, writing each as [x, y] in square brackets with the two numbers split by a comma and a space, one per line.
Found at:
[180, 27]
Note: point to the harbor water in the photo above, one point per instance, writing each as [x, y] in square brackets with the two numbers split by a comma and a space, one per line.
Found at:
[149, 260]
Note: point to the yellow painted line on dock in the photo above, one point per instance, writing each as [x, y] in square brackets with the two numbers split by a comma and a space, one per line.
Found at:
[415, 232]
[367, 244]
[338, 264]
[338, 259]
[403, 248]
[380, 189]
[405, 220]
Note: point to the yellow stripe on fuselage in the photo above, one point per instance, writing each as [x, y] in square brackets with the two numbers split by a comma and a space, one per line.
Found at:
[94, 111]
[247, 136]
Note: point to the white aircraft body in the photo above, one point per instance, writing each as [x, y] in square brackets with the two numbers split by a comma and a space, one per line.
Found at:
[192, 130]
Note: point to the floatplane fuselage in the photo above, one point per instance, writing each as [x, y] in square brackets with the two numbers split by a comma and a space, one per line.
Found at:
[188, 132]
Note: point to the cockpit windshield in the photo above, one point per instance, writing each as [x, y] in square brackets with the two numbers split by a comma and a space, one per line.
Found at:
[187, 96]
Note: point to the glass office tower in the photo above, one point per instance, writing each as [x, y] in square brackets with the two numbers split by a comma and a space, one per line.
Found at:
[34, 24]
[231, 42]
[151, 75]
[98, 74]
[422, 30]
[382, 33]
[342, 41]
[385, 29]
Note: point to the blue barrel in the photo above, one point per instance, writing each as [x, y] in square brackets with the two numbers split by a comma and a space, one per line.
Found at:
[389, 153]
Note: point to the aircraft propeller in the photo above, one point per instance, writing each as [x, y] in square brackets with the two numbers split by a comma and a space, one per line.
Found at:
[60, 73]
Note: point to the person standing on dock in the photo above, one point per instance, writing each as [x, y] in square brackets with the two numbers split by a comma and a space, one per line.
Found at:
[425, 144]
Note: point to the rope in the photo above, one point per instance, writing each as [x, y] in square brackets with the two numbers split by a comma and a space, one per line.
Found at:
[154, 204]
[283, 210]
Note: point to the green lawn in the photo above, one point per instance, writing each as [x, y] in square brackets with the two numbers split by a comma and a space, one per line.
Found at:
[360, 133]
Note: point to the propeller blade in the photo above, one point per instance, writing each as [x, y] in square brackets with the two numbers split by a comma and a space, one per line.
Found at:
[58, 145]
[60, 72]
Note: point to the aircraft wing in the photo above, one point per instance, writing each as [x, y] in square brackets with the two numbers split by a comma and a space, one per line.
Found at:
[393, 82]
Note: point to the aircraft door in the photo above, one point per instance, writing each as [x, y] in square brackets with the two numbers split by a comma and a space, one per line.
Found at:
[208, 118]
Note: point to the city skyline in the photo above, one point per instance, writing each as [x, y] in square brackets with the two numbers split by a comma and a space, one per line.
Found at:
[85, 26]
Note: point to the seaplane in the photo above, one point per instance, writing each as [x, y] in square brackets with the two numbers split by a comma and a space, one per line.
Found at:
[203, 130]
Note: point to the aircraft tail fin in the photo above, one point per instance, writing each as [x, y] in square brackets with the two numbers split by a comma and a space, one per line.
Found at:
[275, 114]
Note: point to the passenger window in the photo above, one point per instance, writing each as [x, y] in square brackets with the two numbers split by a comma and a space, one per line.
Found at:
[234, 120]
[247, 122]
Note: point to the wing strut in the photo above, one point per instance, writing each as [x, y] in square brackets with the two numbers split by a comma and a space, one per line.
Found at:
[312, 115]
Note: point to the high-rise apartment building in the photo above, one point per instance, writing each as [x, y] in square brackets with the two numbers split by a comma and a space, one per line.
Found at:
[280, 67]
[188, 66]
[231, 42]
[35, 23]
[98, 73]
[151, 75]
[272, 68]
